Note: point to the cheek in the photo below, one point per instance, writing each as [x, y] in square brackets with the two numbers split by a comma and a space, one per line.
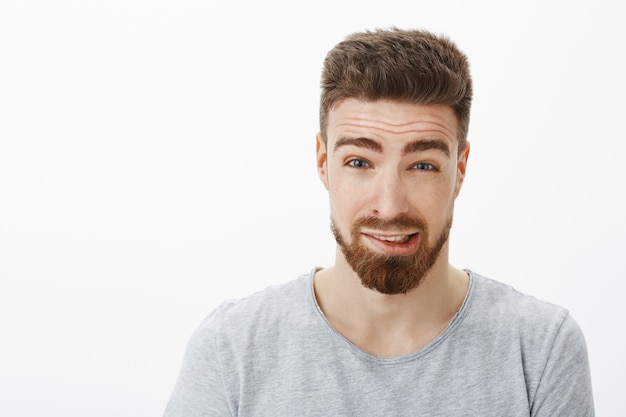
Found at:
[449, 186]
[434, 202]
[343, 190]
[346, 205]
[342, 202]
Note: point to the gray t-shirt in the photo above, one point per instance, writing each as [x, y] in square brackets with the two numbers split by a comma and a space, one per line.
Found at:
[274, 354]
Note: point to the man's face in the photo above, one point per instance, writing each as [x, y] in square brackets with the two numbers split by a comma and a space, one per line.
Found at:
[393, 171]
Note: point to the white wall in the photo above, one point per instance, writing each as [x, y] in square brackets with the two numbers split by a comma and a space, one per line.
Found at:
[157, 157]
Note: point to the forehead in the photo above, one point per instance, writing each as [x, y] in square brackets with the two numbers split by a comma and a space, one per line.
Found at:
[382, 119]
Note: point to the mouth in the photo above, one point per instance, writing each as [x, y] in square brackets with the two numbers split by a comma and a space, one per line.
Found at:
[393, 244]
[395, 238]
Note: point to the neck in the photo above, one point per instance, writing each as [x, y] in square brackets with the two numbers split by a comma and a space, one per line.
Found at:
[390, 325]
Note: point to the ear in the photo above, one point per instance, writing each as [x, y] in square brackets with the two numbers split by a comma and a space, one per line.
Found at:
[461, 167]
[322, 159]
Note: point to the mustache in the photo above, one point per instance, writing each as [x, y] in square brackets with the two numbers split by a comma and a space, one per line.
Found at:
[399, 223]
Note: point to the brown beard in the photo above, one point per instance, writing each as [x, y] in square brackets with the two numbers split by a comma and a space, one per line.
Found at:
[391, 274]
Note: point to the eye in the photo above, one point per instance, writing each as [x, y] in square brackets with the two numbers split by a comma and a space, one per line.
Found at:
[358, 163]
[424, 166]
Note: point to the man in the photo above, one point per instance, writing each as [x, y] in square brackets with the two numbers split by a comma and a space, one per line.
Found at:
[391, 329]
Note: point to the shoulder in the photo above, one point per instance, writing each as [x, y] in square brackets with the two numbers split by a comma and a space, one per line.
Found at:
[545, 336]
[219, 345]
[238, 317]
[501, 300]
[506, 315]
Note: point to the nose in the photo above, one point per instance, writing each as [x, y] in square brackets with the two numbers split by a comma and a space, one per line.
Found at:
[389, 196]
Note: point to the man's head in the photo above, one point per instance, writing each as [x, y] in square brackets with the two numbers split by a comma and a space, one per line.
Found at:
[405, 65]
[392, 152]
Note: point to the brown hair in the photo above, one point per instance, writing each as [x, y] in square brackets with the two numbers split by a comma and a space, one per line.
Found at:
[409, 65]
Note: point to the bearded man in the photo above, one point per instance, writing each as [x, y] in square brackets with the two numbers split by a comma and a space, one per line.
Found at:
[391, 329]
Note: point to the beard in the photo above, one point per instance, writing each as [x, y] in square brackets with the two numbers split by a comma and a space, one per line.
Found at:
[391, 274]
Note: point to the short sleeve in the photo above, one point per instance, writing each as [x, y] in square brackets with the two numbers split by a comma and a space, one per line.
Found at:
[565, 385]
[199, 390]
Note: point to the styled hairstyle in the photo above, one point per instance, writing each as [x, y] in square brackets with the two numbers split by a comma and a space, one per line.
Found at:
[407, 65]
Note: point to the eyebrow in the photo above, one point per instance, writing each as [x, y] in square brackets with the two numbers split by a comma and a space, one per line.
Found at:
[424, 145]
[415, 146]
[366, 143]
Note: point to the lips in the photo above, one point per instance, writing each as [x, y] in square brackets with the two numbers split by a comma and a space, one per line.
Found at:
[397, 244]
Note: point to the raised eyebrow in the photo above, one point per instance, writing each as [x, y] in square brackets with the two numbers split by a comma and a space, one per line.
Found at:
[359, 142]
[424, 145]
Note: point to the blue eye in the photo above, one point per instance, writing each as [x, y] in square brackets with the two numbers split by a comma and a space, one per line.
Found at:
[424, 166]
[358, 163]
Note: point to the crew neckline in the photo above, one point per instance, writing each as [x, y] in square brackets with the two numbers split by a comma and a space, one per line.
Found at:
[450, 328]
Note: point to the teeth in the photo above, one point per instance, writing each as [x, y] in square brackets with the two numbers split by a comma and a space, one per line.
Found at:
[396, 239]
